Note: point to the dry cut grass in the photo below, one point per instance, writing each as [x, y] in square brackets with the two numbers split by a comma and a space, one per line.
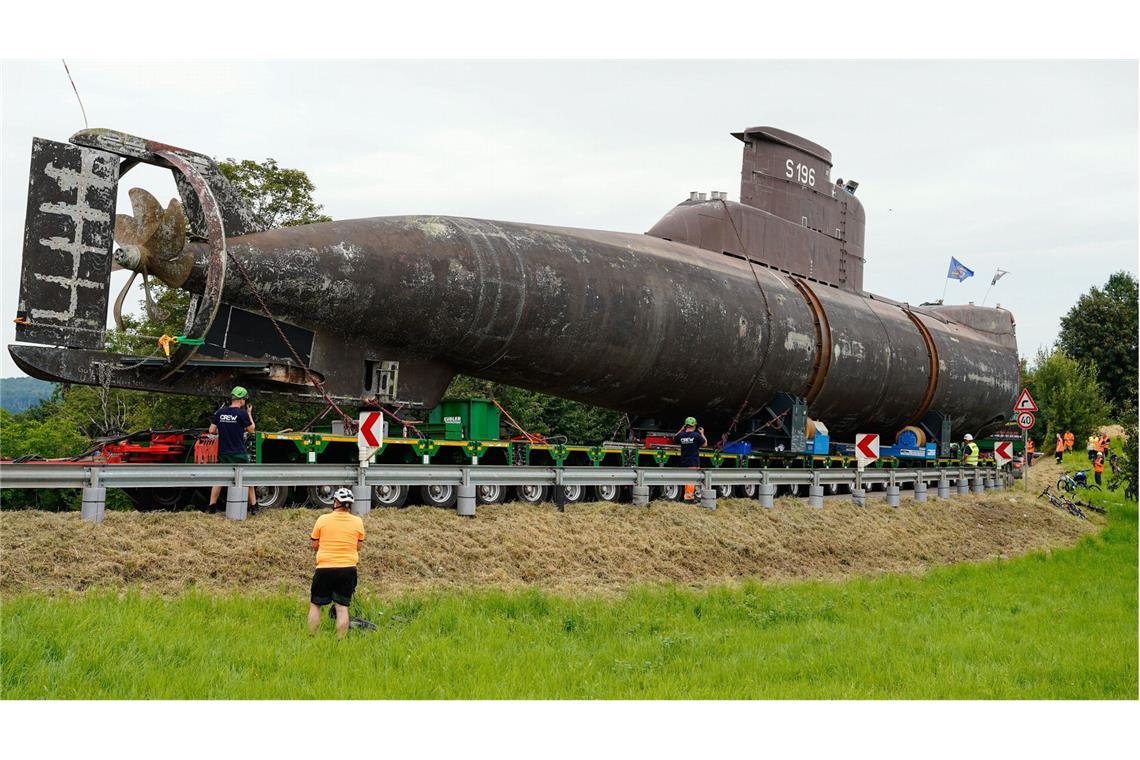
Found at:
[591, 548]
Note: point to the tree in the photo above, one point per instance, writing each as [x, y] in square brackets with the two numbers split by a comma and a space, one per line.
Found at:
[1067, 394]
[1102, 328]
[279, 197]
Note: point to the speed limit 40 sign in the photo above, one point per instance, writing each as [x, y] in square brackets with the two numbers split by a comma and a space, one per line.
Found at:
[1026, 420]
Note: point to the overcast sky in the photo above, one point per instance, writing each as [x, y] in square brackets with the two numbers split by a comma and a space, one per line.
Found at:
[1031, 167]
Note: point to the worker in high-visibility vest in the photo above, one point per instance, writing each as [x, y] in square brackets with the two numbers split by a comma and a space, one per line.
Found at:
[1059, 449]
[1093, 446]
[970, 451]
[1070, 439]
[1030, 450]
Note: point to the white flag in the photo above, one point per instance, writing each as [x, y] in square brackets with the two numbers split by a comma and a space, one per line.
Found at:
[997, 276]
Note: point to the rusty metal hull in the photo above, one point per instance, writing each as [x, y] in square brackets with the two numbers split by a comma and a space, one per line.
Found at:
[625, 321]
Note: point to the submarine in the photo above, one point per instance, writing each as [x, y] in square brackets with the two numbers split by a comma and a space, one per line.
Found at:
[736, 312]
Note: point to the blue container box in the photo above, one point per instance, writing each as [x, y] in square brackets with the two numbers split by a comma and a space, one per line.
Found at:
[742, 448]
[819, 445]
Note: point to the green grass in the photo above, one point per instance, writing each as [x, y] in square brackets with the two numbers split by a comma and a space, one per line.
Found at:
[1058, 625]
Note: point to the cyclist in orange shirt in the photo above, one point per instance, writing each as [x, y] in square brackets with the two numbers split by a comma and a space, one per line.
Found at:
[336, 538]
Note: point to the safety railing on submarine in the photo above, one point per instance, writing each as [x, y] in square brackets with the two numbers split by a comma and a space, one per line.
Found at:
[94, 479]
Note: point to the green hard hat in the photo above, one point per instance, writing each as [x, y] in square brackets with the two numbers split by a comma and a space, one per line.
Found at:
[239, 392]
[690, 420]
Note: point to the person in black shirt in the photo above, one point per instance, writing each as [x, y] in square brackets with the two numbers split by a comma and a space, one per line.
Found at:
[690, 438]
[230, 424]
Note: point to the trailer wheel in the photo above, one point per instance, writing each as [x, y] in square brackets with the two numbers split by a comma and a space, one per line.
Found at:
[437, 495]
[831, 489]
[321, 496]
[490, 494]
[532, 494]
[155, 499]
[608, 492]
[723, 492]
[667, 493]
[389, 496]
[574, 494]
[271, 497]
[747, 491]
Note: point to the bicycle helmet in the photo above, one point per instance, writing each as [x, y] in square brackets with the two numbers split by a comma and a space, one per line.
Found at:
[344, 496]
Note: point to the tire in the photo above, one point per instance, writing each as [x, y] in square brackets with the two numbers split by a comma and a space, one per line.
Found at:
[748, 491]
[389, 496]
[667, 493]
[830, 489]
[723, 492]
[490, 494]
[320, 496]
[271, 497]
[532, 494]
[159, 499]
[575, 494]
[608, 493]
[443, 497]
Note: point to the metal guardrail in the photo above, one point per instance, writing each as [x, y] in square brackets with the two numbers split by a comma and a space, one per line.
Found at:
[182, 475]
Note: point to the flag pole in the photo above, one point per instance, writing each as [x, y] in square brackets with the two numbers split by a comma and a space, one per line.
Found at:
[987, 295]
[946, 285]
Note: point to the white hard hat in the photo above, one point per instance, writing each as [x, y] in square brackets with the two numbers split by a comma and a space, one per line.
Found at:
[344, 495]
[967, 437]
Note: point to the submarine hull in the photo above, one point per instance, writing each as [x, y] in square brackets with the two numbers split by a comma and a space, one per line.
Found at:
[625, 321]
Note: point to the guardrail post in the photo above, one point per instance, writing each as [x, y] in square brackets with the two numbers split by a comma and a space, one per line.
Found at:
[237, 503]
[920, 490]
[361, 499]
[892, 491]
[963, 483]
[858, 492]
[465, 503]
[559, 490]
[237, 498]
[765, 491]
[999, 479]
[979, 484]
[640, 492]
[989, 481]
[943, 486]
[93, 506]
[708, 493]
[815, 492]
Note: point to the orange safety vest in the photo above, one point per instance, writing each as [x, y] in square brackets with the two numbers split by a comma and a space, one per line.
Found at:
[1060, 448]
[1098, 465]
[1069, 440]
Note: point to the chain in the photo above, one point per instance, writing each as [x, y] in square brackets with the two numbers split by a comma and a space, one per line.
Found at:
[349, 423]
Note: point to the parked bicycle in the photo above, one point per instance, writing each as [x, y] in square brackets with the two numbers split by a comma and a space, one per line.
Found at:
[1060, 502]
[1078, 479]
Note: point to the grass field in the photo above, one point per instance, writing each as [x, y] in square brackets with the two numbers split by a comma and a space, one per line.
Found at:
[1058, 624]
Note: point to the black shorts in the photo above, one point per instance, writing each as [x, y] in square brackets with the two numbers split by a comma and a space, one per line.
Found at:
[242, 458]
[333, 584]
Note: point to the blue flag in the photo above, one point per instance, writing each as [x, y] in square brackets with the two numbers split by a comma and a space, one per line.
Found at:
[958, 270]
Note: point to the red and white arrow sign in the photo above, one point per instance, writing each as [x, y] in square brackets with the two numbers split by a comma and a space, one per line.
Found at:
[370, 435]
[1003, 452]
[1024, 402]
[366, 432]
[867, 447]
